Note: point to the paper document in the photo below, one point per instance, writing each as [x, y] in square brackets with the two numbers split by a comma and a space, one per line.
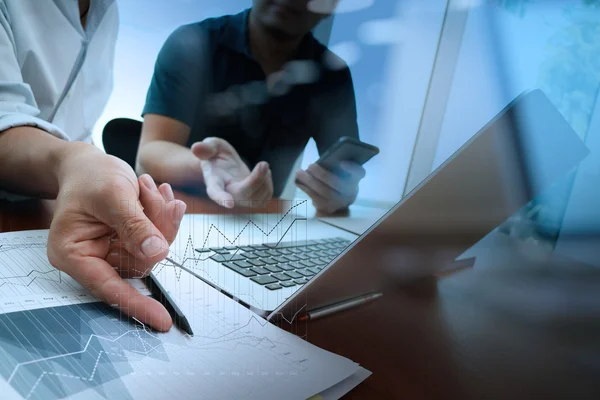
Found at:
[57, 343]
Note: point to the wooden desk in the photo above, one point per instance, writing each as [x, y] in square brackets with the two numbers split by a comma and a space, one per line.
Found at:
[488, 333]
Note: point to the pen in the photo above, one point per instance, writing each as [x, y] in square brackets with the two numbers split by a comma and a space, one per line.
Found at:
[338, 307]
[166, 300]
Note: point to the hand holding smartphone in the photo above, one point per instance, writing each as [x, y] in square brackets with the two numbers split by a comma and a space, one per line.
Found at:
[347, 149]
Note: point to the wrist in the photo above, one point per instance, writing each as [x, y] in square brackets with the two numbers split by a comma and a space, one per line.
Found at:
[65, 157]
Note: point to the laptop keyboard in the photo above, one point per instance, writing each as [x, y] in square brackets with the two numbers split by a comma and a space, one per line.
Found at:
[278, 265]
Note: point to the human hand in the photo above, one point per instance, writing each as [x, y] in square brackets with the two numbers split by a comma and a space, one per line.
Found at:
[331, 192]
[108, 225]
[228, 179]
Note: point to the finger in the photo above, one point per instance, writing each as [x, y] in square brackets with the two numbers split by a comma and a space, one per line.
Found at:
[105, 283]
[165, 215]
[253, 182]
[317, 186]
[211, 147]
[204, 151]
[138, 235]
[167, 192]
[215, 189]
[82, 261]
[263, 196]
[320, 203]
[356, 171]
[330, 179]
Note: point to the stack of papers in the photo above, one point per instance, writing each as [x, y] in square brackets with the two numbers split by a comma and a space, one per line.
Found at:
[57, 341]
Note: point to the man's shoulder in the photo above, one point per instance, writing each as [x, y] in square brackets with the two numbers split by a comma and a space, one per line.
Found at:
[206, 33]
[332, 65]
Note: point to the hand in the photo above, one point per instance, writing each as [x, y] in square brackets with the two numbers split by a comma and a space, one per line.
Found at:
[228, 179]
[331, 192]
[109, 224]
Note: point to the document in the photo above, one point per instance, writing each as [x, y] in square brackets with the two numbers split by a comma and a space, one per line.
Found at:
[57, 341]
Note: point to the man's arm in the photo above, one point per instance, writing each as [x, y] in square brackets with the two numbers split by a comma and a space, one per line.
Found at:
[335, 117]
[179, 84]
[335, 110]
[163, 154]
[30, 159]
[29, 156]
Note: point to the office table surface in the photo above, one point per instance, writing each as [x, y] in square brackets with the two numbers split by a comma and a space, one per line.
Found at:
[486, 333]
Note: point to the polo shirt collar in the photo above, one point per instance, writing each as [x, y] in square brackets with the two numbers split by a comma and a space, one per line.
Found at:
[235, 36]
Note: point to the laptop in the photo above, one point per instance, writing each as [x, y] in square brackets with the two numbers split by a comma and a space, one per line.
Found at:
[476, 189]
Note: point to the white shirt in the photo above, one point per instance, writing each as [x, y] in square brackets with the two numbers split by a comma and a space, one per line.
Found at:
[54, 74]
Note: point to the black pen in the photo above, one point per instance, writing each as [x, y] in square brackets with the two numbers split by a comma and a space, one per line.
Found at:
[159, 292]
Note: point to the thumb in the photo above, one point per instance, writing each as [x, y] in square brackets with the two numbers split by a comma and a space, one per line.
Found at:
[204, 150]
[256, 176]
[139, 236]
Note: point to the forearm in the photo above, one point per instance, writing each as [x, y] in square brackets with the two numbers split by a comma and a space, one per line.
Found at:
[30, 161]
[169, 162]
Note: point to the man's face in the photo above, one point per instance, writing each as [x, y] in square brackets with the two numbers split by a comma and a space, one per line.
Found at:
[292, 17]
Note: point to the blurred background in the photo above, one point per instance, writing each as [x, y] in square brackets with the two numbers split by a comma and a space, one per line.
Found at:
[428, 75]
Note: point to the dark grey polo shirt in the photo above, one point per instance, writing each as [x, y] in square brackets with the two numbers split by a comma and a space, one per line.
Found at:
[206, 77]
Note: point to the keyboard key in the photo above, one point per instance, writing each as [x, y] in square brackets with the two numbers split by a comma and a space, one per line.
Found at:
[203, 250]
[307, 263]
[305, 272]
[243, 264]
[248, 255]
[303, 256]
[319, 261]
[314, 270]
[291, 258]
[273, 268]
[241, 271]
[332, 253]
[218, 258]
[280, 259]
[264, 279]
[284, 245]
[293, 274]
[321, 247]
[268, 261]
[262, 253]
[273, 286]
[219, 250]
[281, 277]
[232, 257]
[256, 263]
[295, 251]
[259, 271]
[258, 247]
[230, 247]
[246, 248]
[298, 281]
[287, 283]
[272, 252]
[284, 251]
[286, 267]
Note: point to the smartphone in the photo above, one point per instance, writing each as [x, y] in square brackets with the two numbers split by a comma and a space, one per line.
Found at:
[347, 149]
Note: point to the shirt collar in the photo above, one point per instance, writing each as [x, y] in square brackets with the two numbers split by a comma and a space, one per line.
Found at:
[70, 10]
[235, 36]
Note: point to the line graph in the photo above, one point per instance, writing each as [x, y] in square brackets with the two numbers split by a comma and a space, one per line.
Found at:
[62, 345]
[28, 280]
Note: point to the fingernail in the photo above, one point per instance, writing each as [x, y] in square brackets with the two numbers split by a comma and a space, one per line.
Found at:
[148, 182]
[169, 192]
[153, 246]
[179, 211]
[264, 167]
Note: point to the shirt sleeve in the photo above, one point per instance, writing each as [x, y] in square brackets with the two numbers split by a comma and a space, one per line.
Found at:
[17, 103]
[181, 75]
[335, 110]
